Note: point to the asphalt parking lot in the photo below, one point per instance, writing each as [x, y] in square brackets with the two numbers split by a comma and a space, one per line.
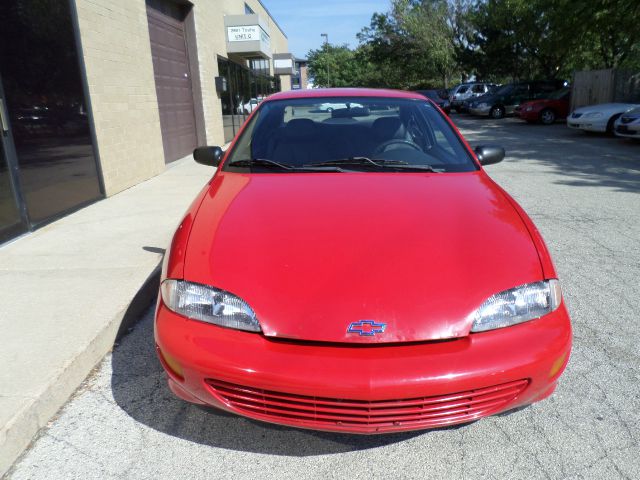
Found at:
[583, 192]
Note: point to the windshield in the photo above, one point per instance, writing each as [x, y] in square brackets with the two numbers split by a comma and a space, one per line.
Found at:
[558, 94]
[362, 134]
[504, 90]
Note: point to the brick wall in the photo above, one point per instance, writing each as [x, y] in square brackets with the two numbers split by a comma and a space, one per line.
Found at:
[117, 54]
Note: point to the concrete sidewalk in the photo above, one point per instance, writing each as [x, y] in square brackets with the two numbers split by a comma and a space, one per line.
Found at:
[66, 288]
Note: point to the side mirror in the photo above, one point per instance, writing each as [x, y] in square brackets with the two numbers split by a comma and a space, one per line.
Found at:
[209, 156]
[489, 154]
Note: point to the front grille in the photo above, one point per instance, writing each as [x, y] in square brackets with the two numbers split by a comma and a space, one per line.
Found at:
[576, 115]
[422, 412]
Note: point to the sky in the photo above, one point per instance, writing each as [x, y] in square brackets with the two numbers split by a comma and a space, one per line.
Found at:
[304, 20]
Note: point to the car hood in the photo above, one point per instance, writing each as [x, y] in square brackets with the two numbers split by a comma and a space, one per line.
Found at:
[606, 108]
[632, 113]
[313, 253]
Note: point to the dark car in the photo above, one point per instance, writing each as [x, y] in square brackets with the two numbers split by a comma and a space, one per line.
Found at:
[546, 110]
[505, 99]
[439, 97]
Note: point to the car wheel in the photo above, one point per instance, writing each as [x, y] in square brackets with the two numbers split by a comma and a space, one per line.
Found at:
[548, 116]
[610, 123]
[497, 112]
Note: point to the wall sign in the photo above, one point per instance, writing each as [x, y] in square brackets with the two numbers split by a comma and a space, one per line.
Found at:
[247, 33]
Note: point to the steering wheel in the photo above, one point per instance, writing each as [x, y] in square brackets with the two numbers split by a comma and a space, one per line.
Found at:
[397, 141]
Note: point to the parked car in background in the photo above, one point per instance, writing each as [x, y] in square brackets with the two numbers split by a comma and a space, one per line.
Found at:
[546, 110]
[628, 124]
[598, 118]
[250, 106]
[453, 91]
[439, 97]
[469, 91]
[505, 99]
[330, 107]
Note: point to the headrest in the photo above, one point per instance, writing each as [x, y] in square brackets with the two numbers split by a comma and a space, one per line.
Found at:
[300, 127]
[387, 127]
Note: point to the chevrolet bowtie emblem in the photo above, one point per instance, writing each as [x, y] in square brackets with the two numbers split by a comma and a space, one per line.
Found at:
[366, 328]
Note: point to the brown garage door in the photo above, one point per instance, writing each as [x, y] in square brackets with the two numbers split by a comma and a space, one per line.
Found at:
[173, 82]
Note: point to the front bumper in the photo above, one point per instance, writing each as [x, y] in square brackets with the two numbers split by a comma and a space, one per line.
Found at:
[484, 111]
[289, 376]
[629, 131]
[586, 124]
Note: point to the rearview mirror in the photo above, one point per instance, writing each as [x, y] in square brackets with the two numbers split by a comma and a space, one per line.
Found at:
[489, 154]
[210, 156]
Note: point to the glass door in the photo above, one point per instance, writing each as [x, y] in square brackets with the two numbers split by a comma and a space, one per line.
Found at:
[11, 221]
[50, 144]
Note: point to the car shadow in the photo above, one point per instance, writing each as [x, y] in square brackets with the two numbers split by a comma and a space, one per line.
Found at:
[139, 387]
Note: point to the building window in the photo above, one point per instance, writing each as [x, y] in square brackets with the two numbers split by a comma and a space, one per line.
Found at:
[246, 87]
[45, 101]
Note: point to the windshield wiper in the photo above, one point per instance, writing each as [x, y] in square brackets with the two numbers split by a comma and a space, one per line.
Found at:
[264, 162]
[358, 161]
[379, 162]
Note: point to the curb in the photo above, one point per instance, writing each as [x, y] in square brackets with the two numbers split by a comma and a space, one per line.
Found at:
[19, 432]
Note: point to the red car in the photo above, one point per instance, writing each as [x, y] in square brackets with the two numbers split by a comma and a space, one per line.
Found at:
[358, 271]
[546, 110]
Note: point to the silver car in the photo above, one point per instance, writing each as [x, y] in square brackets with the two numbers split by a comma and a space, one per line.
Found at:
[467, 91]
[628, 124]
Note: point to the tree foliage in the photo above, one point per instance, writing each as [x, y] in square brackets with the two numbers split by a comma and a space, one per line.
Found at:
[335, 66]
[430, 43]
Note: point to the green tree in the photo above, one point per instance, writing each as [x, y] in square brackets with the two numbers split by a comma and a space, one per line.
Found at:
[411, 45]
[384, 44]
[512, 39]
[610, 29]
[335, 66]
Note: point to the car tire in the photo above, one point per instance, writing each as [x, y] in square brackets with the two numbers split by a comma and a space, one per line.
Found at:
[497, 113]
[548, 117]
[610, 123]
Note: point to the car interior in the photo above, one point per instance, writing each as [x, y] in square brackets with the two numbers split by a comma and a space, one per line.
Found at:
[300, 135]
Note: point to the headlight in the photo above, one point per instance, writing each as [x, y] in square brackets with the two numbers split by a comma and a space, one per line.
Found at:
[208, 304]
[517, 305]
[528, 109]
[594, 115]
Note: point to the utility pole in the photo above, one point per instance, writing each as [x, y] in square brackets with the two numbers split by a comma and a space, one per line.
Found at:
[326, 42]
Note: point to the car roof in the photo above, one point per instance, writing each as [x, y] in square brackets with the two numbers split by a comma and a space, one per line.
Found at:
[344, 92]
